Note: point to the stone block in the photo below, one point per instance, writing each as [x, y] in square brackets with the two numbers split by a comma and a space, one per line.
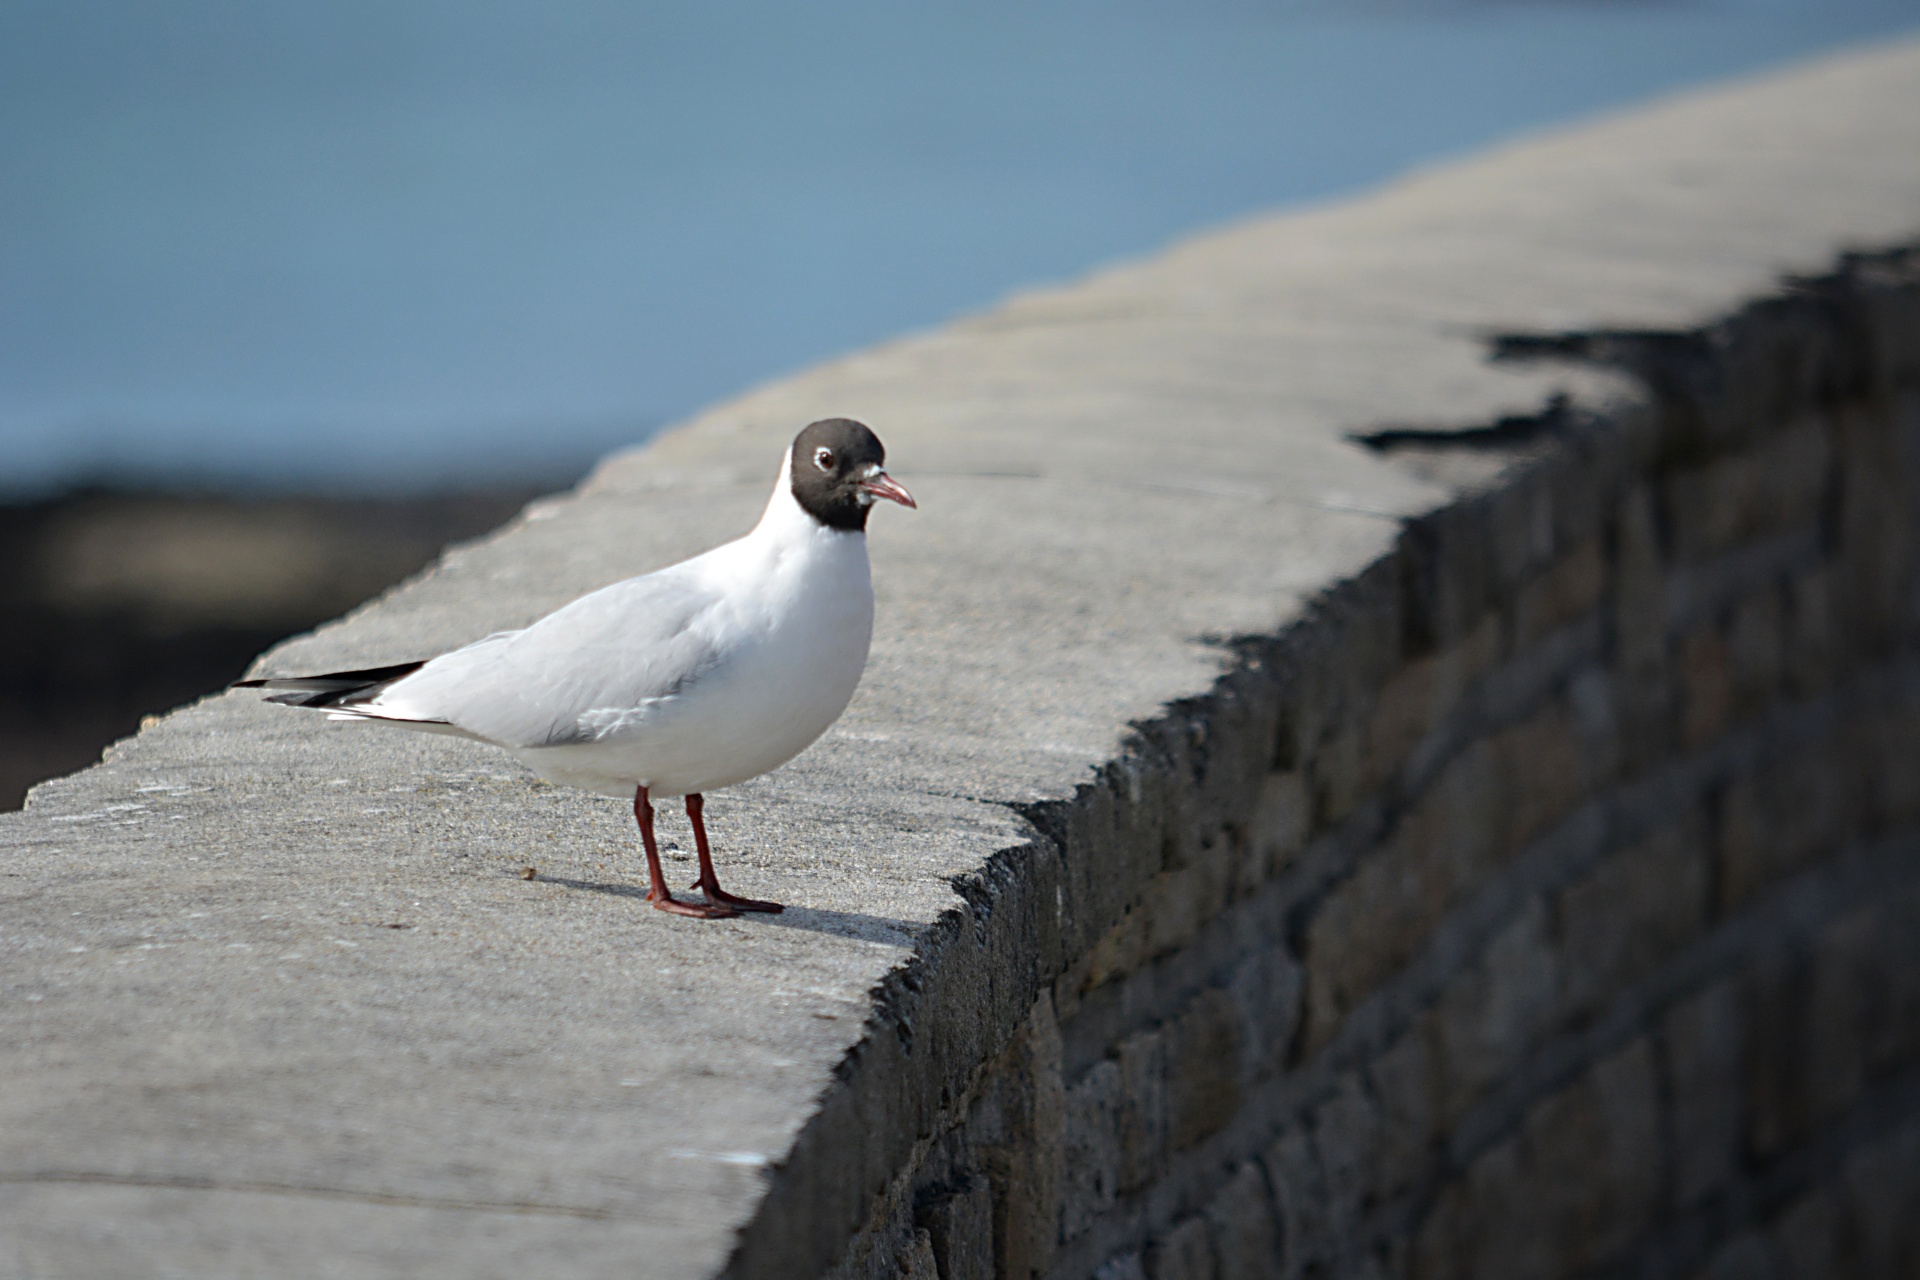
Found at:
[1347, 1134]
[1620, 922]
[1388, 1262]
[1841, 1011]
[1573, 1189]
[1369, 927]
[1120, 951]
[1203, 1068]
[1404, 711]
[960, 1226]
[1282, 819]
[1582, 490]
[1405, 1083]
[1756, 650]
[1128, 1266]
[1778, 484]
[1861, 1007]
[1347, 953]
[1423, 693]
[1180, 902]
[1025, 1143]
[1520, 520]
[1457, 831]
[1594, 1151]
[1438, 1239]
[919, 1262]
[1091, 1183]
[1704, 1042]
[1890, 975]
[1796, 465]
[1593, 698]
[1639, 580]
[1361, 934]
[1549, 765]
[1747, 1256]
[1451, 554]
[1806, 1238]
[1501, 1230]
[1177, 903]
[1705, 686]
[1142, 1116]
[1314, 707]
[1638, 615]
[1788, 815]
[1373, 636]
[1307, 1226]
[1839, 1016]
[1876, 553]
[1893, 756]
[1267, 989]
[1570, 588]
[1814, 637]
[1488, 1018]
[1245, 1233]
[1774, 995]
[1183, 1252]
[1880, 1186]
[1338, 775]
[1746, 855]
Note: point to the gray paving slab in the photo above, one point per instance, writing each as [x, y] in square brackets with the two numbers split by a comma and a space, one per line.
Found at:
[275, 997]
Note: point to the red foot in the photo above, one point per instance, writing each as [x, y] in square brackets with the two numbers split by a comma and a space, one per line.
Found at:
[697, 910]
[732, 903]
[657, 892]
[709, 883]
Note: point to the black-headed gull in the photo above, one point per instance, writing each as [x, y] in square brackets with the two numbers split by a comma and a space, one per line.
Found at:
[698, 676]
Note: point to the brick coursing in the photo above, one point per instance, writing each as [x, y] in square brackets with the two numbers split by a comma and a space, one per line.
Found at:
[1547, 903]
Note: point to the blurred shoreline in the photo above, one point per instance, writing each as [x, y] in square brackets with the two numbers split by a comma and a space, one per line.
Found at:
[125, 602]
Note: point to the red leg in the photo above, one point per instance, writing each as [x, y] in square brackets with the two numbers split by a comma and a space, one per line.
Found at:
[658, 894]
[708, 883]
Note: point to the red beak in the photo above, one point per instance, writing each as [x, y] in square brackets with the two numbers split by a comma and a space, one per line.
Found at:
[882, 485]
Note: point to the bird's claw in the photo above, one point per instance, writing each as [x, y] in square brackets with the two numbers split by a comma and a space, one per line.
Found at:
[720, 897]
[697, 910]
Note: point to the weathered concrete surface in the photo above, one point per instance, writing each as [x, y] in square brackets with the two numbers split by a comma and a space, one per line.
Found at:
[277, 999]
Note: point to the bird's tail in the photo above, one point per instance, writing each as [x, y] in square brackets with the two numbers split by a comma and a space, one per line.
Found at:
[333, 688]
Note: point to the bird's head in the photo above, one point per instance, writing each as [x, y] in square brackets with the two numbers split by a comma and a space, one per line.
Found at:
[838, 469]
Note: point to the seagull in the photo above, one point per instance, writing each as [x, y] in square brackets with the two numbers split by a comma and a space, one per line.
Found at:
[679, 682]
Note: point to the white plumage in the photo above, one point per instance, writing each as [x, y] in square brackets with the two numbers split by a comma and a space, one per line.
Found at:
[692, 678]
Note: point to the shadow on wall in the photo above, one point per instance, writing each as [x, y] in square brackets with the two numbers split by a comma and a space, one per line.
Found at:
[118, 605]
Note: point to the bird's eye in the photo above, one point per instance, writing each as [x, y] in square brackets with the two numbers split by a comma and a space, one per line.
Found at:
[823, 459]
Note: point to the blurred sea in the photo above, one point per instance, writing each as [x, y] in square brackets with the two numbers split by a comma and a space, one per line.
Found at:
[398, 245]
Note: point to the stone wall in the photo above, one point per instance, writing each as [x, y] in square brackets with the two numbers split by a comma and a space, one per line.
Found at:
[1545, 903]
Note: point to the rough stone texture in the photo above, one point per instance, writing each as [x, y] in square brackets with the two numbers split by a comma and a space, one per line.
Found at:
[1485, 847]
[1246, 1238]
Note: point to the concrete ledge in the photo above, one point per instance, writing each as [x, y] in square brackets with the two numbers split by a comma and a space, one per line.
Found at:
[279, 1000]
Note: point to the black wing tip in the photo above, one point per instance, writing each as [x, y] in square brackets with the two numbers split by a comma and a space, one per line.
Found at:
[323, 690]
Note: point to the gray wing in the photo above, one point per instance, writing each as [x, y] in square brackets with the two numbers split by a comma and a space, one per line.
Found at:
[574, 676]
